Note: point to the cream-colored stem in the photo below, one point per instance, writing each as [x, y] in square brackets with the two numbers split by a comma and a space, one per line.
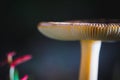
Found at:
[89, 59]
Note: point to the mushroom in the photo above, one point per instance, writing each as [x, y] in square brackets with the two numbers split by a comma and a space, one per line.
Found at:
[90, 33]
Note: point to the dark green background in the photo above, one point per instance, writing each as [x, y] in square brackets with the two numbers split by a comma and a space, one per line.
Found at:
[53, 60]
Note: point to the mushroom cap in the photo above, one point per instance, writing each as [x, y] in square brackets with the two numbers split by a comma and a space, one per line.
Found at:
[81, 30]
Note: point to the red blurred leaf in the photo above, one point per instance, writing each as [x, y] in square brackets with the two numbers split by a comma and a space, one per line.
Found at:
[25, 77]
[21, 60]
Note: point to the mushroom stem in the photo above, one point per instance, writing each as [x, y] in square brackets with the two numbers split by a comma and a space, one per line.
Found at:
[89, 59]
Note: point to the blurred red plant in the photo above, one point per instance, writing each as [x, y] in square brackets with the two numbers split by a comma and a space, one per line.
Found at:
[20, 60]
[13, 63]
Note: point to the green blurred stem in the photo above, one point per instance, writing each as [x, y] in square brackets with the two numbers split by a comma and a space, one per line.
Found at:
[11, 74]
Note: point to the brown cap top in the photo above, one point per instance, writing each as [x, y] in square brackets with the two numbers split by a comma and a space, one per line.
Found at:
[81, 30]
[105, 21]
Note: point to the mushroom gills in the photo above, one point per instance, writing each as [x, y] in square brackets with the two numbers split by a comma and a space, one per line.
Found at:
[91, 31]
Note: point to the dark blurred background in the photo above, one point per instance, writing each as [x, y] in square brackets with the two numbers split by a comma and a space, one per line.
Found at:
[52, 59]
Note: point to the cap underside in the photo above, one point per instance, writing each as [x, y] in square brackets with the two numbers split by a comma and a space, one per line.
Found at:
[80, 31]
